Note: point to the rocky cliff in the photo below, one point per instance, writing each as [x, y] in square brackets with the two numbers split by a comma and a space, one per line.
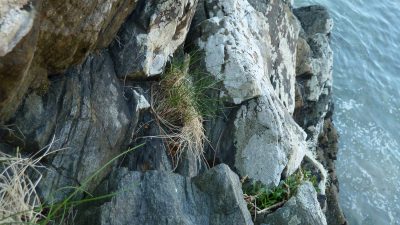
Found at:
[87, 76]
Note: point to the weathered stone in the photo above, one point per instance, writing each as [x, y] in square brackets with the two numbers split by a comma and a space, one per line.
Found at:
[264, 142]
[17, 31]
[314, 57]
[313, 68]
[86, 112]
[156, 198]
[46, 37]
[301, 209]
[70, 30]
[16, 20]
[246, 48]
[150, 36]
[151, 156]
[326, 153]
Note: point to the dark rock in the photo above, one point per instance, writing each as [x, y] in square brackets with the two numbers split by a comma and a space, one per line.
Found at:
[326, 153]
[153, 155]
[157, 198]
[88, 115]
[314, 19]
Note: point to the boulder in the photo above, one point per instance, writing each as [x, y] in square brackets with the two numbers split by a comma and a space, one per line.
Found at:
[263, 141]
[159, 197]
[39, 38]
[248, 45]
[16, 18]
[301, 209]
[150, 37]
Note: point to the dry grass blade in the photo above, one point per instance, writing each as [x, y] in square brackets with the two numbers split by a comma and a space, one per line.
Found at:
[19, 201]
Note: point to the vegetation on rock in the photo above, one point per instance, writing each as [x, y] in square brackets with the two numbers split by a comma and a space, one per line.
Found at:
[181, 101]
[261, 199]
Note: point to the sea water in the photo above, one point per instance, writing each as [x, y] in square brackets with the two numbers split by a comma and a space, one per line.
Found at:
[366, 45]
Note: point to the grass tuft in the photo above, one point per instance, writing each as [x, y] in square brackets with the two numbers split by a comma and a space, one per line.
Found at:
[181, 101]
[18, 197]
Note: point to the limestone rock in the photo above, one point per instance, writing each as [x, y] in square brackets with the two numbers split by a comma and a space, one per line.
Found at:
[301, 209]
[86, 112]
[157, 198]
[150, 37]
[267, 141]
[247, 47]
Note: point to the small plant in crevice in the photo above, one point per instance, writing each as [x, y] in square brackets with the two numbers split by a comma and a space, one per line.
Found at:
[261, 199]
[56, 213]
[181, 102]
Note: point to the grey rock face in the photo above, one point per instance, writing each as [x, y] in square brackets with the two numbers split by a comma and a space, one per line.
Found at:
[150, 36]
[266, 141]
[314, 19]
[247, 47]
[157, 198]
[302, 209]
[152, 155]
[88, 115]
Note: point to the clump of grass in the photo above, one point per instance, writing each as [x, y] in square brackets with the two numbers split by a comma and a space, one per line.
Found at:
[181, 102]
[18, 197]
[261, 199]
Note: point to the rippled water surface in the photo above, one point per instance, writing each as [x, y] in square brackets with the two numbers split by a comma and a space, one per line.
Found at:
[366, 43]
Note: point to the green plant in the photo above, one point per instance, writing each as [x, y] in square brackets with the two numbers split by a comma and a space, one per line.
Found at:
[181, 101]
[261, 199]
